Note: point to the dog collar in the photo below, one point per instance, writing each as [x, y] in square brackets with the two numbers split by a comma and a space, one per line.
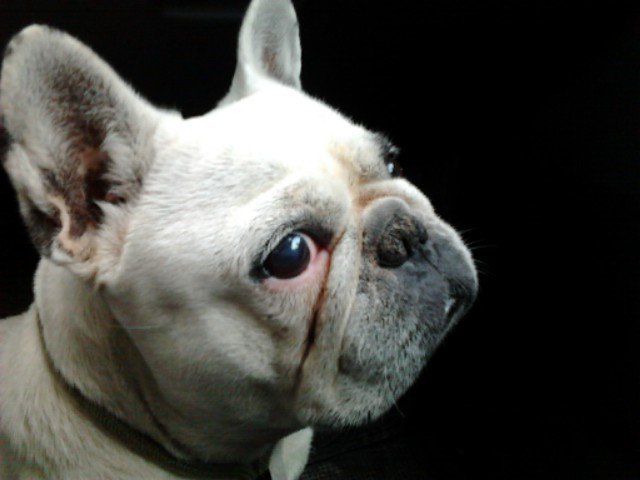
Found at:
[141, 444]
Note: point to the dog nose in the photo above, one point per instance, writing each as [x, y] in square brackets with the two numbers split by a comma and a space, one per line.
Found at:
[399, 239]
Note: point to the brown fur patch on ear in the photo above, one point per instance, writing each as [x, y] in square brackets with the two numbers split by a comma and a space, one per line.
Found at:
[270, 61]
[80, 188]
[83, 108]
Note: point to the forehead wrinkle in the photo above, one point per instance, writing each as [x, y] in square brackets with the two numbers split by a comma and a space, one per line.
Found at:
[362, 160]
[292, 196]
[345, 155]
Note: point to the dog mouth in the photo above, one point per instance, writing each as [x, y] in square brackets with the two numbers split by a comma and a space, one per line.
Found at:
[312, 332]
[318, 310]
[460, 300]
[310, 340]
[453, 309]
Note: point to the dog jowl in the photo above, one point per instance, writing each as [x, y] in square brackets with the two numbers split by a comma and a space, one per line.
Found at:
[213, 284]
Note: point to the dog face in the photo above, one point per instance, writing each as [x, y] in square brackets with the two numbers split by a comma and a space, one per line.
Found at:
[263, 259]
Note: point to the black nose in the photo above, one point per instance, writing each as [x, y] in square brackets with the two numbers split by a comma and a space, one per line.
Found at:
[399, 239]
[395, 237]
[418, 259]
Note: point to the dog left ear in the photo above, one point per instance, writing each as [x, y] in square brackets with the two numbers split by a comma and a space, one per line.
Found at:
[268, 48]
[79, 146]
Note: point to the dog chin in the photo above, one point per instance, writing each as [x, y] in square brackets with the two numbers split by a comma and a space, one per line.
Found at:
[354, 403]
[354, 412]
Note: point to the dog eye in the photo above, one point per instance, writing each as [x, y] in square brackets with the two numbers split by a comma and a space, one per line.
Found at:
[393, 168]
[390, 160]
[290, 257]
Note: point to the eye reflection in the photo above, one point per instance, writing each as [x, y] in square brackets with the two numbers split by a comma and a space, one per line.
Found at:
[393, 168]
[290, 257]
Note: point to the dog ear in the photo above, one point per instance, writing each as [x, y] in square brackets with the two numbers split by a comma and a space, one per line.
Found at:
[79, 144]
[268, 48]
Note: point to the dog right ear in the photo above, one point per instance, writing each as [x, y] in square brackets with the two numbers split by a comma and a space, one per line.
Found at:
[79, 145]
[268, 49]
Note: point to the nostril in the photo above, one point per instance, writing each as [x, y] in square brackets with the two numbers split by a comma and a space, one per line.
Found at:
[393, 251]
[402, 235]
[392, 234]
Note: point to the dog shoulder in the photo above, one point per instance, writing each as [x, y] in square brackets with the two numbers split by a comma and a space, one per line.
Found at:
[10, 328]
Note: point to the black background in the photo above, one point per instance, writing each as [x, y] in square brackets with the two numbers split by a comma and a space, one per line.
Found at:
[520, 120]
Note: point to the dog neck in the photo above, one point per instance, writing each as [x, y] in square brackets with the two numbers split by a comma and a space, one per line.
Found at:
[82, 341]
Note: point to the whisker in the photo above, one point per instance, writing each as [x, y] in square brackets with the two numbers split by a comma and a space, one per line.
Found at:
[462, 233]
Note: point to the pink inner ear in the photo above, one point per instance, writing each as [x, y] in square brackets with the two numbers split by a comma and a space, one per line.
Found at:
[269, 60]
[96, 164]
[80, 186]
[113, 198]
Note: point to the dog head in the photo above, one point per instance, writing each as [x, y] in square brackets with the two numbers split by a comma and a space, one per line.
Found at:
[267, 264]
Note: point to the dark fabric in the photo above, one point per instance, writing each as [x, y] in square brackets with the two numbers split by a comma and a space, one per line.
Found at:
[388, 450]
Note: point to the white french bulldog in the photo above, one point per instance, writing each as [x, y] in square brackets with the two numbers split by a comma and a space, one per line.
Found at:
[211, 287]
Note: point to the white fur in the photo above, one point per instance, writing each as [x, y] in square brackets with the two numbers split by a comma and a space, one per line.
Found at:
[268, 49]
[152, 311]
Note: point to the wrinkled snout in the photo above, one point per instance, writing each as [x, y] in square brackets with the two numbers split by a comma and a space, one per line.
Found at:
[416, 279]
[401, 242]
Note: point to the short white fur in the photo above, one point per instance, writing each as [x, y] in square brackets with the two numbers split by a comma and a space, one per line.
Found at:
[148, 305]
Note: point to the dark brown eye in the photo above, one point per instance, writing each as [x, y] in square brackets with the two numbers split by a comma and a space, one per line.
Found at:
[289, 259]
[393, 168]
[391, 153]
